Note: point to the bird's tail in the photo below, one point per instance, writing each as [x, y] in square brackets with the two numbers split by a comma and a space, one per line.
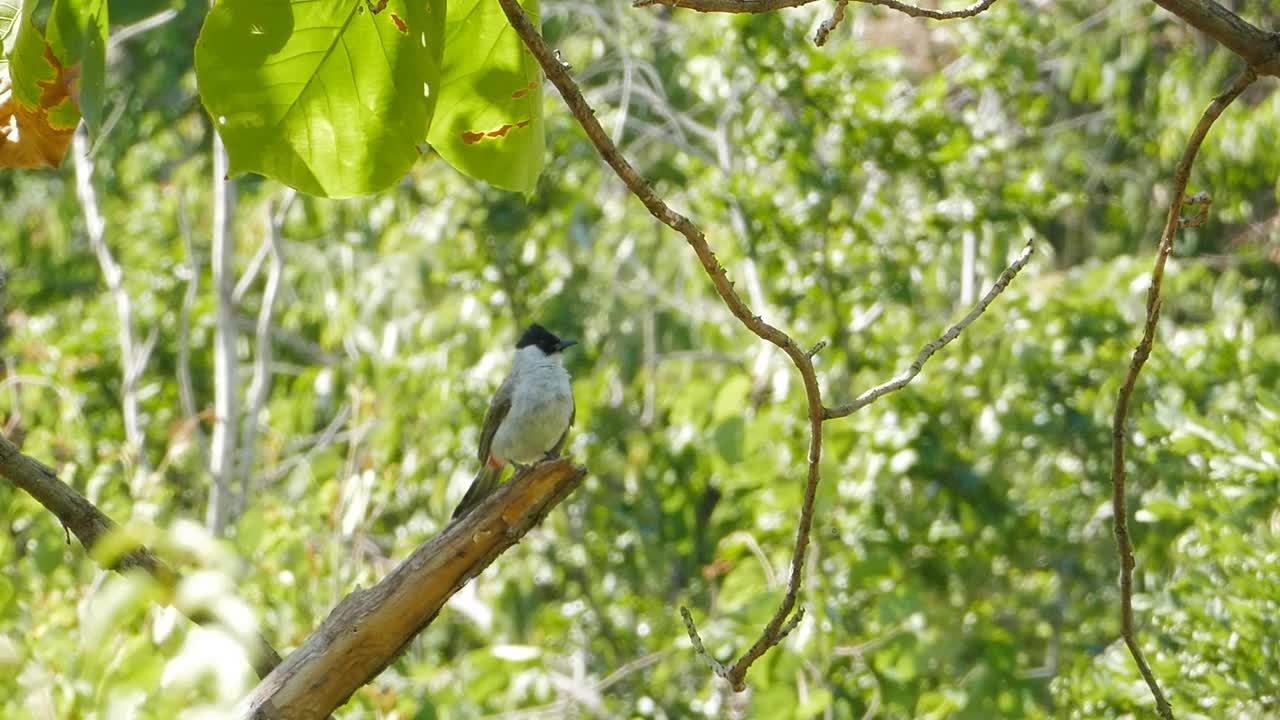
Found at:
[486, 480]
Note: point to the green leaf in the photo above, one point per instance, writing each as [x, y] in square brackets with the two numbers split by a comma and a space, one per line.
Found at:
[7, 592]
[728, 438]
[732, 397]
[328, 97]
[24, 57]
[77, 33]
[489, 124]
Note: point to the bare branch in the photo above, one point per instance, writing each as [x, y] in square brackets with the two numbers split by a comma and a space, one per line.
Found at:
[260, 382]
[586, 117]
[369, 629]
[132, 358]
[699, 649]
[90, 526]
[1257, 47]
[226, 365]
[828, 25]
[927, 351]
[119, 36]
[1120, 517]
[186, 389]
[764, 6]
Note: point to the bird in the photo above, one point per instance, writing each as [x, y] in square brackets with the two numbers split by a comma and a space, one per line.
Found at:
[529, 416]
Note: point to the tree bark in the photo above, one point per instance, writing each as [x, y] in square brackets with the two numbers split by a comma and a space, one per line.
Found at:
[369, 629]
[1257, 47]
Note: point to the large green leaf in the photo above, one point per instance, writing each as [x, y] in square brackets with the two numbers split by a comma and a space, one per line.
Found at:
[489, 123]
[24, 61]
[77, 34]
[329, 97]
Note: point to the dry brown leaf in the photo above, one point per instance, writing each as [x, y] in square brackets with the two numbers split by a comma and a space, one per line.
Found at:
[28, 139]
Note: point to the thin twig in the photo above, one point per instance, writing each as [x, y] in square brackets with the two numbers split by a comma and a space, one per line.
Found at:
[260, 380]
[764, 6]
[121, 35]
[132, 357]
[186, 388]
[699, 649]
[824, 30]
[927, 351]
[226, 364]
[1120, 518]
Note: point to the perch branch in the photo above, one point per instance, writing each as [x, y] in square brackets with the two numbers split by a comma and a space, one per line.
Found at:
[1174, 220]
[90, 525]
[369, 629]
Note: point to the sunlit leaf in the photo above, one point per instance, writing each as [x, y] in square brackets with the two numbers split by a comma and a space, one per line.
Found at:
[489, 121]
[329, 97]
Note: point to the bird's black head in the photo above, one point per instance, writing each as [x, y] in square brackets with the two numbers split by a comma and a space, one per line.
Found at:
[542, 338]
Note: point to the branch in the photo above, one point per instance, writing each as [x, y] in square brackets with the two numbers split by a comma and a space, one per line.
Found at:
[260, 382]
[132, 357]
[1257, 47]
[556, 72]
[226, 364]
[764, 6]
[927, 351]
[1173, 221]
[90, 525]
[186, 389]
[369, 629]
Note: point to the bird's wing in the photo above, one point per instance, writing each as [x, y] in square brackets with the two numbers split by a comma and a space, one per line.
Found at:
[498, 408]
[573, 414]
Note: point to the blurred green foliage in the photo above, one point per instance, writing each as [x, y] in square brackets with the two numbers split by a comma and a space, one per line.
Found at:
[962, 563]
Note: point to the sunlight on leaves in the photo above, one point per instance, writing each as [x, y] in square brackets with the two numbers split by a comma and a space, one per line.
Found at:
[489, 122]
[330, 98]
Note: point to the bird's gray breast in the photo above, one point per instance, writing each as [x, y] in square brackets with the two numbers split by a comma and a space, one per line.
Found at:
[541, 405]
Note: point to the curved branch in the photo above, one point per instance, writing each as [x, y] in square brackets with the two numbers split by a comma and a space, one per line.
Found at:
[369, 629]
[1174, 220]
[90, 525]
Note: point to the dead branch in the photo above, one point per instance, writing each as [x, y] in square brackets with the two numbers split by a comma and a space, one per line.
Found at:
[133, 357]
[226, 363]
[369, 629]
[1174, 220]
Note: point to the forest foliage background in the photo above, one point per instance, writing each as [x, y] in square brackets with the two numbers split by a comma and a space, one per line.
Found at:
[963, 564]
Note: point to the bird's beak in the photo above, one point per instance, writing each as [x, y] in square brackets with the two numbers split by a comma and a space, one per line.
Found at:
[566, 343]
